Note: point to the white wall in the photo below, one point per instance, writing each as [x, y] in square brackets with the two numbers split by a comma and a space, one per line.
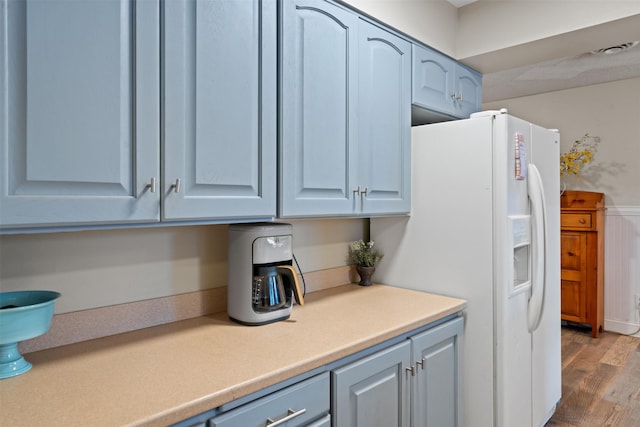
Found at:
[433, 22]
[491, 25]
[100, 268]
[610, 111]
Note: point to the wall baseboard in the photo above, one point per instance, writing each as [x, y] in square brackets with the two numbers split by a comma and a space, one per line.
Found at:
[621, 327]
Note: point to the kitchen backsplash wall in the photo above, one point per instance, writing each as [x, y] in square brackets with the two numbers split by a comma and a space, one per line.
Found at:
[101, 268]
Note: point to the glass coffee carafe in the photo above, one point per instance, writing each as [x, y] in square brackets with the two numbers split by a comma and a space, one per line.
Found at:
[274, 286]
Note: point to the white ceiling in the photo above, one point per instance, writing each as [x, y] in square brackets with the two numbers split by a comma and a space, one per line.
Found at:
[560, 62]
[460, 3]
[617, 63]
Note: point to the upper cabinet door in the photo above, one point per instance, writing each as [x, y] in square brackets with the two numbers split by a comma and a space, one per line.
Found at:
[219, 109]
[469, 88]
[79, 112]
[433, 81]
[318, 80]
[384, 139]
[444, 86]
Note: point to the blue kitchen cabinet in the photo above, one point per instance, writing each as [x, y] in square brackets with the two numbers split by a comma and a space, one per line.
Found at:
[345, 114]
[469, 91]
[95, 136]
[302, 404]
[373, 391]
[219, 110]
[79, 112]
[437, 393]
[412, 379]
[384, 137]
[443, 86]
[319, 115]
[418, 379]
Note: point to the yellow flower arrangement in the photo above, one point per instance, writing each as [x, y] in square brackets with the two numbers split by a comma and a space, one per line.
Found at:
[580, 154]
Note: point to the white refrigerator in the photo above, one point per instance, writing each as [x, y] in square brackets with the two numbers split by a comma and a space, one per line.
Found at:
[485, 226]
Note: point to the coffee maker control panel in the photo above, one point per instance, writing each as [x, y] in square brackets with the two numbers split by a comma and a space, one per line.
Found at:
[272, 249]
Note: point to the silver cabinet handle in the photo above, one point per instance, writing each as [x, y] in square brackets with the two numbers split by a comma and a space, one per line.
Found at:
[421, 363]
[176, 185]
[361, 191]
[151, 185]
[291, 414]
[411, 370]
[363, 194]
[364, 191]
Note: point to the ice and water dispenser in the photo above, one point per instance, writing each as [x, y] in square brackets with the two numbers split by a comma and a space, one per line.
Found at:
[520, 233]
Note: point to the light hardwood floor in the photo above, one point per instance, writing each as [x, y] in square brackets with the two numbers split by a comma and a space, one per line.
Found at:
[600, 380]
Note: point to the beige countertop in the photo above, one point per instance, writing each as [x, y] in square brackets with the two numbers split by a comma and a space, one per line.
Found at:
[164, 374]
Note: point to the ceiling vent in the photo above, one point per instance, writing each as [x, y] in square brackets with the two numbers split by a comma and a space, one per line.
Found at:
[615, 49]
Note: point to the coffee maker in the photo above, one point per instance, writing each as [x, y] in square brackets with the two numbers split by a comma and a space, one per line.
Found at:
[262, 283]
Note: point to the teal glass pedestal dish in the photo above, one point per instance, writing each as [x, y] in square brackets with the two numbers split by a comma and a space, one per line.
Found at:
[23, 315]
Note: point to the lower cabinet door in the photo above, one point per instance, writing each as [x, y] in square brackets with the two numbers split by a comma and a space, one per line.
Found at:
[373, 391]
[437, 392]
[298, 405]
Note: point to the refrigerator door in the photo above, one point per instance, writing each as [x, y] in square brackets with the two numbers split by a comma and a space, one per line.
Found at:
[546, 341]
[512, 271]
[527, 293]
[539, 246]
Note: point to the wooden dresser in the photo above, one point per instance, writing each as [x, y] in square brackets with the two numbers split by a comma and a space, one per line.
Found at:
[582, 258]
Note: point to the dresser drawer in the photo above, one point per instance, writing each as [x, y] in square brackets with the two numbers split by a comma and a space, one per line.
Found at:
[300, 403]
[579, 220]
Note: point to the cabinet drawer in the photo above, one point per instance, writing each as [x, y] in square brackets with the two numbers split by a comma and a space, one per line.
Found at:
[577, 220]
[309, 399]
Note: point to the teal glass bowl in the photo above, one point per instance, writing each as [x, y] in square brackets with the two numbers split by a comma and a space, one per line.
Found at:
[23, 315]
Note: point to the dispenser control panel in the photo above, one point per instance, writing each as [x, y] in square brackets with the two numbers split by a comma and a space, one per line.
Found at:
[520, 233]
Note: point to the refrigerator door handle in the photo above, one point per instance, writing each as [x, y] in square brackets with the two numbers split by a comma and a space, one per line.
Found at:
[539, 256]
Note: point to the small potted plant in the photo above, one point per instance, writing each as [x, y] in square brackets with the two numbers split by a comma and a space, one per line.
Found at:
[365, 258]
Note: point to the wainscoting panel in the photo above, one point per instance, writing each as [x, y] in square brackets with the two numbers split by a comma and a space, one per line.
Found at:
[622, 269]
